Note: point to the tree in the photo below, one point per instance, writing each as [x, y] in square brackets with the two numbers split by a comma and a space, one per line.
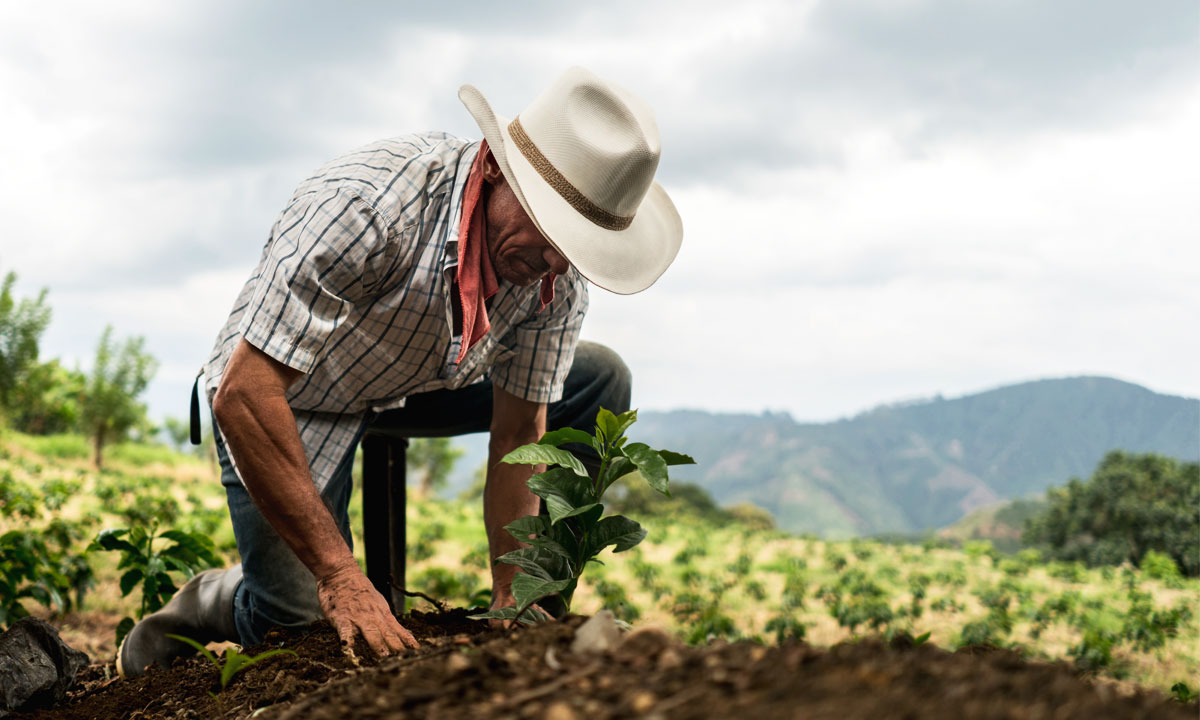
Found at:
[178, 432]
[432, 459]
[109, 407]
[21, 326]
[1131, 505]
[47, 399]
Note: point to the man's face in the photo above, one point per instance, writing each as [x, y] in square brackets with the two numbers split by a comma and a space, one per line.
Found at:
[520, 253]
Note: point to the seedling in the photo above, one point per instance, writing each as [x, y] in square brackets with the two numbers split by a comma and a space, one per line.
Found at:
[150, 567]
[574, 530]
[235, 661]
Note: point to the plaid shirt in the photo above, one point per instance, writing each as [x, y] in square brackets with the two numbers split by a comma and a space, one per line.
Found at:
[353, 290]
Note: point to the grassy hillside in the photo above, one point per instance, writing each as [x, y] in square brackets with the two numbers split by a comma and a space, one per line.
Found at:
[1000, 524]
[698, 579]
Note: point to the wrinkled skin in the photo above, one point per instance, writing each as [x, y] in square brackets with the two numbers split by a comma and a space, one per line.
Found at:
[354, 608]
[520, 253]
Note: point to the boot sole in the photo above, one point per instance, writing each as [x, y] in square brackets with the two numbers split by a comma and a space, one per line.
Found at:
[120, 652]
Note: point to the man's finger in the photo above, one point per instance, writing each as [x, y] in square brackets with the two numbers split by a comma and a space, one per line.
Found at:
[408, 638]
[346, 633]
[391, 634]
[375, 641]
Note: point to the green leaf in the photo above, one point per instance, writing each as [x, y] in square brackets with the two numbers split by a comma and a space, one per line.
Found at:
[565, 493]
[615, 530]
[182, 566]
[111, 539]
[504, 613]
[608, 425]
[200, 648]
[921, 639]
[234, 661]
[650, 464]
[537, 526]
[566, 435]
[528, 589]
[527, 560]
[524, 527]
[624, 420]
[617, 469]
[674, 458]
[200, 546]
[130, 580]
[544, 454]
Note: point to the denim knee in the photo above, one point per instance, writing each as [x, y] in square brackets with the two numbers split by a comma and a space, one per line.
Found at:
[612, 378]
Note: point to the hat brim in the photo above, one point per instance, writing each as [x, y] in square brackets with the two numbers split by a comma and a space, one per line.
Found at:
[621, 261]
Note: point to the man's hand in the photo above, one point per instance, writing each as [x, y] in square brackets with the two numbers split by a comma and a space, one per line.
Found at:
[502, 598]
[354, 608]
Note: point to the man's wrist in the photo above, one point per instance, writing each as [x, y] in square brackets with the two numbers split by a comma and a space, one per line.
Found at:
[324, 572]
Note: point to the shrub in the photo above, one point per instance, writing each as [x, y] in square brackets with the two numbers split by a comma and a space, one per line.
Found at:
[1132, 504]
[1094, 651]
[1160, 566]
[150, 567]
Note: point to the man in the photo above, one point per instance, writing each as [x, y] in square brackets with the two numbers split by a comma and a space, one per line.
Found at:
[430, 286]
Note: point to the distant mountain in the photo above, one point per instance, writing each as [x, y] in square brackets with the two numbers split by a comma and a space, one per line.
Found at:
[924, 465]
[921, 465]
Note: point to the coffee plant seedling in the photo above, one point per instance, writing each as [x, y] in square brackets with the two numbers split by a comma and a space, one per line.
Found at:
[574, 529]
[235, 661]
[151, 567]
[1182, 693]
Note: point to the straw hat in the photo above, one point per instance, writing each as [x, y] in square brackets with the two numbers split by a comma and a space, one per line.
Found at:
[581, 161]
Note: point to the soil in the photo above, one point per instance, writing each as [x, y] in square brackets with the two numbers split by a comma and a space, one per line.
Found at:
[466, 670]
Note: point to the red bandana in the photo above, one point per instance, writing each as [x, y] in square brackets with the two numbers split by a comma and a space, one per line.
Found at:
[476, 279]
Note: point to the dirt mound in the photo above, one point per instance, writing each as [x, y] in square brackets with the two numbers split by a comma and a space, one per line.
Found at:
[463, 669]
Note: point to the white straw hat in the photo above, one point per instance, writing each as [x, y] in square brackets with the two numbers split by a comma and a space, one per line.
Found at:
[581, 161]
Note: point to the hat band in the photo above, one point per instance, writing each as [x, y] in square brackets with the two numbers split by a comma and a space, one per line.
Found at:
[563, 186]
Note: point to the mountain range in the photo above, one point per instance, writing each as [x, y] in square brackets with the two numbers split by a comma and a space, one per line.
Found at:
[914, 466]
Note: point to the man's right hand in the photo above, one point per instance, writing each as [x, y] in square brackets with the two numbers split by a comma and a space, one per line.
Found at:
[354, 608]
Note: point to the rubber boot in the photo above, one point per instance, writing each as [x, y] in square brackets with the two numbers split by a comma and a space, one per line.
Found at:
[202, 610]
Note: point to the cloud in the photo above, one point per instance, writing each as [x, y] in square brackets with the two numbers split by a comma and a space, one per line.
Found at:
[881, 199]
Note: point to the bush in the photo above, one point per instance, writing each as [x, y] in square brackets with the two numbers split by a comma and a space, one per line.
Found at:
[64, 446]
[1160, 566]
[1131, 505]
[1094, 651]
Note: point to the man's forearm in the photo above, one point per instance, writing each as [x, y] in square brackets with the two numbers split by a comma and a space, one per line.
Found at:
[260, 433]
[506, 498]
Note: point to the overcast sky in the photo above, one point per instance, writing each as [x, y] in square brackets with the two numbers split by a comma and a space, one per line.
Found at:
[882, 199]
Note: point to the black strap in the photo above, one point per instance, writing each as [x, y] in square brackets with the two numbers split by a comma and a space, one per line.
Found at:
[195, 415]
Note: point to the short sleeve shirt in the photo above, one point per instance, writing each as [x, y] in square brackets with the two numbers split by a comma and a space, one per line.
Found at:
[353, 290]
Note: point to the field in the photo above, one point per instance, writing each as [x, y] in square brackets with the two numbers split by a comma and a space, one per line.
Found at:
[1125, 628]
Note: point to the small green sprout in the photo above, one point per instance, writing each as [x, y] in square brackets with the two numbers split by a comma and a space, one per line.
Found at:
[235, 661]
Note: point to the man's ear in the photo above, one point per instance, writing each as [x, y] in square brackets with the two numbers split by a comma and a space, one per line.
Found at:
[491, 170]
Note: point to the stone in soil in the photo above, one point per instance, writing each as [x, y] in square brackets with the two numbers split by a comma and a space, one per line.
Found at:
[36, 666]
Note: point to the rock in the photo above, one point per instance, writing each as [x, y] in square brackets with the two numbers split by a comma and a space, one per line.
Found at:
[560, 711]
[598, 634]
[36, 666]
[642, 701]
[645, 642]
[457, 663]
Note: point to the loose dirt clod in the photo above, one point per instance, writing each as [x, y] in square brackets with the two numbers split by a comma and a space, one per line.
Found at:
[498, 675]
[598, 634]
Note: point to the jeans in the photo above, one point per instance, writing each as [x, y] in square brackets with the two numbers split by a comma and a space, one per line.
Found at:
[277, 589]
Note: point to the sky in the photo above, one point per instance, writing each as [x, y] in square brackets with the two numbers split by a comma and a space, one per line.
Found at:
[882, 200]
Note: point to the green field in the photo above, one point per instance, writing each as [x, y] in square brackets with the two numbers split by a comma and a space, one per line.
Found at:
[701, 580]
